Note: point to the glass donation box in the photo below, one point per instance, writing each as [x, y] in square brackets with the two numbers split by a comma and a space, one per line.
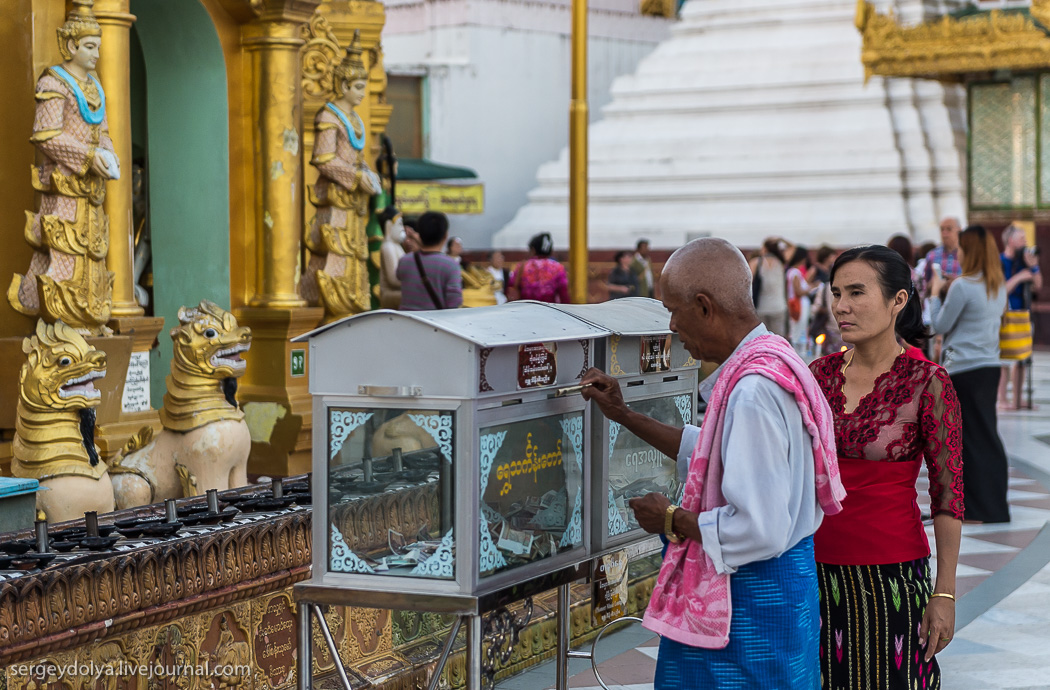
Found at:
[658, 378]
[450, 448]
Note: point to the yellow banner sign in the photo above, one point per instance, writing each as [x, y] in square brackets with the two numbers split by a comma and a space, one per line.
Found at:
[415, 198]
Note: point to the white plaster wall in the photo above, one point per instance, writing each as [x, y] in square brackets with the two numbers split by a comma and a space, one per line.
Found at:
[497, 95]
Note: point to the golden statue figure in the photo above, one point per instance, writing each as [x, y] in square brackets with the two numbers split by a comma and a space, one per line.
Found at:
[479, 289]
[67, 278]
[55, 423]
[205, 441]
[337, 270]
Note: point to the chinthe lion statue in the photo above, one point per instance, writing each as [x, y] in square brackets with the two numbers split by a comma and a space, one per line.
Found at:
[205, 441]
[55, 426]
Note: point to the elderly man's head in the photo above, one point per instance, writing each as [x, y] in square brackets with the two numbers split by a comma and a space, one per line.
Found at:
[950, 229]
[1014, 239]
[707, 288]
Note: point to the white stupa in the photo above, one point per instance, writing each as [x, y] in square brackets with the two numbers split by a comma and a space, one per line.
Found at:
[753, 120]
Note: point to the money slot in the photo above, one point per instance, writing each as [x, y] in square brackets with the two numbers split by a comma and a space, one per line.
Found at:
[669, 379]
[508, 403]
[632, 384]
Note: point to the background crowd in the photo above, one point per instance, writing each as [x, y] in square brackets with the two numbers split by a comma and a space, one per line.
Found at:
[912, 348]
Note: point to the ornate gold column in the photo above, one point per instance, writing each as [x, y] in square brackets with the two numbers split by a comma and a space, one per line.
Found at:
[273, 391]
[122, 415]
[274, 41]
[114, 71]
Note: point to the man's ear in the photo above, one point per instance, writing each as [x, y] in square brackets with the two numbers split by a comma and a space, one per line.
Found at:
[705, 304]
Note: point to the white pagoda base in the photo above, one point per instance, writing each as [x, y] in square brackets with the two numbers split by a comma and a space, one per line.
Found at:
[753, 120]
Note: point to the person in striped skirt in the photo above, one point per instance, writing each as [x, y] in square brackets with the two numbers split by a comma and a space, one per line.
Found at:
[882, 620]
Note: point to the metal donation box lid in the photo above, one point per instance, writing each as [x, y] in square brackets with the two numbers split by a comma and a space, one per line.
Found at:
[640, 339]
[508, 324]
[628, 316]
[459, 353]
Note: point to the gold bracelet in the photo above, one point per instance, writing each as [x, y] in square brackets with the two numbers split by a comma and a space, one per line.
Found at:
[943, 594]
[669, 525]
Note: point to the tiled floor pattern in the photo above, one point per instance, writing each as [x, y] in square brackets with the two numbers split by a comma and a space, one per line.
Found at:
[1006, 647]
[987, 548]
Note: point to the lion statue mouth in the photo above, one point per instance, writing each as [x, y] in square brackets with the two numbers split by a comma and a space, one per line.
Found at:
[230, 357]
[82, 386]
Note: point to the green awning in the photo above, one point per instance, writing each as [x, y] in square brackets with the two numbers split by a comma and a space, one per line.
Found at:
[423, 169]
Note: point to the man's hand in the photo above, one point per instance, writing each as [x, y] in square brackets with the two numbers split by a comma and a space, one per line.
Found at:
[412, 241]
[604, 390]
[1030, 259]
[651, 512]
[938, 625]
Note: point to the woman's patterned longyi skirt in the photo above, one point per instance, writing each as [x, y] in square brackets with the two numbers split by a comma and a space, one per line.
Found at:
[870, 617]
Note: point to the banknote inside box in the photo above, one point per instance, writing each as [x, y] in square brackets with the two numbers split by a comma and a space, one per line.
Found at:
[531, 490]
[635, 467]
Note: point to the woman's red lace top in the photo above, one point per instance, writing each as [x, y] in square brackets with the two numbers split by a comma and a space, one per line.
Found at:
[912, 412]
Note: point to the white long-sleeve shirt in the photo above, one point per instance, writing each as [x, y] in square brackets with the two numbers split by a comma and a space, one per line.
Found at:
[768, 478]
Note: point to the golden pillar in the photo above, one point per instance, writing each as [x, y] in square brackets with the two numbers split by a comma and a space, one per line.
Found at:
[114, 71]
[578, 157]
[274, 393]
[122, 415]
[274, 42]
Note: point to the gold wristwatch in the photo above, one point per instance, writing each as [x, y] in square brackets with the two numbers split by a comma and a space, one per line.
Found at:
[669, 532]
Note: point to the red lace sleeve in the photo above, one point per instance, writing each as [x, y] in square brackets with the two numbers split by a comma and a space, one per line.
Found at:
[941, 422]
[825, 370]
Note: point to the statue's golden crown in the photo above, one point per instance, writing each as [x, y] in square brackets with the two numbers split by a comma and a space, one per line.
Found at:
[80, 22]
[352, 67]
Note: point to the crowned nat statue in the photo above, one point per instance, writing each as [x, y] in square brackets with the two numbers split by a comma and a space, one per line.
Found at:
[337, 271]
[67, 278]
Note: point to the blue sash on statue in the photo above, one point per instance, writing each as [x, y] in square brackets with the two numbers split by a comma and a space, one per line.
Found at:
[92, 117]
[357, 142]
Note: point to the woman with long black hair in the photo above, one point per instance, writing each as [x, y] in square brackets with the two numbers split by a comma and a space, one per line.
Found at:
[882, 622]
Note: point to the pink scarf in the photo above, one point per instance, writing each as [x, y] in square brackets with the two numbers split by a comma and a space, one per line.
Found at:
[690, 603]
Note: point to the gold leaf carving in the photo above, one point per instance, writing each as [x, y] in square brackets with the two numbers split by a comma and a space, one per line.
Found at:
[320, 55]
[951, 46]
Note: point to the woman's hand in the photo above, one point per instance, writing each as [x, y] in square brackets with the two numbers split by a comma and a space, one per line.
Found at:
[936, 284]
[938, 625]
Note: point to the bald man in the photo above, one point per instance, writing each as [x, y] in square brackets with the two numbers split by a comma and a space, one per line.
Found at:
[946, 255]
[762, 536]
